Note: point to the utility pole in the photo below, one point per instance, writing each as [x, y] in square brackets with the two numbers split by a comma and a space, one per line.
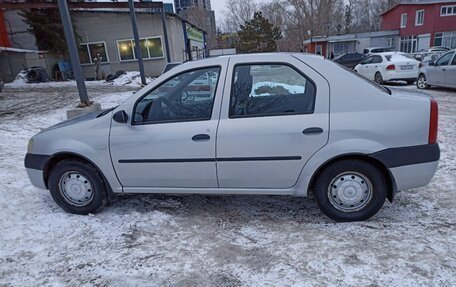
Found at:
[165, 33]
[73, 50]
[137, 43]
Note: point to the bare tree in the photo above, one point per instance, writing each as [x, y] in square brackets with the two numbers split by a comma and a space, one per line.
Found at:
[237, 12]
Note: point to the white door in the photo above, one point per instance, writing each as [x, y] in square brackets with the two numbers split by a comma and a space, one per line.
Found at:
[170, 141]
[424, 42]
[274, 117]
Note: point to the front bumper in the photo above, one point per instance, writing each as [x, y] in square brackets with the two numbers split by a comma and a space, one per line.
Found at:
[35, 165]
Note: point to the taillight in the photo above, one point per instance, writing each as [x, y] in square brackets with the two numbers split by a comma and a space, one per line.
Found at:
[391, 68]
[433, 122]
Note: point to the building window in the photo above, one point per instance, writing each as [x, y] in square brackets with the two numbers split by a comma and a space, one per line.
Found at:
[151, 48]
[419, 18]
[390, 42]
[404, 20]
[448, 10]
[89, 51]
[409, 44]
[445, 39]
[318, 50]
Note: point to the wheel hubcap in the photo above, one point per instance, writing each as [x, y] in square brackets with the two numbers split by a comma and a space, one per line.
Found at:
[76, 189]
[350, 191]
[378, 78]
[422, 82]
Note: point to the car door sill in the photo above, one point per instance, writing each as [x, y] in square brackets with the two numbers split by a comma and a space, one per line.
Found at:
[210, 190]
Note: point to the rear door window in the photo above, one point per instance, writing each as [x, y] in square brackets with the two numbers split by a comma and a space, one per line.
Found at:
[270, 90]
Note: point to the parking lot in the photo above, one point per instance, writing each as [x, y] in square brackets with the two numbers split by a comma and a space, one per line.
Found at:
[155, 240]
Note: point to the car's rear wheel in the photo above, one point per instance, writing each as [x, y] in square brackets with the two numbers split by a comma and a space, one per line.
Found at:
[421, 82]
[378, 78]
[77, 187]
[350, 190]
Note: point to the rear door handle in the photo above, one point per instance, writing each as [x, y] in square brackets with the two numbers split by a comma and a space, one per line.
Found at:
[312, 131]
[201, 137]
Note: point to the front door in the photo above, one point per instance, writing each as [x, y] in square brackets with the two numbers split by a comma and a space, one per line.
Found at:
[171, 139]
[450, 73]
[437, 75]
[274, 117]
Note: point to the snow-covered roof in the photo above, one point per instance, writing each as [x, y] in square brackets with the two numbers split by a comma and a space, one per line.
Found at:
[419, 2]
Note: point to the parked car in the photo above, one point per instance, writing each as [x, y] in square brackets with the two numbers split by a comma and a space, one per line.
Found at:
[440, 73]
[349, 60]
[169, 66]
[438, 49]
[274, 124]
[390, 66]
[375, 50]
[429, 57]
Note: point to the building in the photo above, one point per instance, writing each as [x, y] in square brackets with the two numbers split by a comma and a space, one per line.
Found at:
[181, 5]
[422, 24]
[199, 12]
[351, 43]
[105, 29]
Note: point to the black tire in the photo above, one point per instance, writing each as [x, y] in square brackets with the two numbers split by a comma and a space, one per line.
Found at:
[98, 188]
[421, 82]
[378, 78]
[336, 169]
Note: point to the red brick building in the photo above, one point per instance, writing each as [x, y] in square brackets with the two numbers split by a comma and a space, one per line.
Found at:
[422, 24]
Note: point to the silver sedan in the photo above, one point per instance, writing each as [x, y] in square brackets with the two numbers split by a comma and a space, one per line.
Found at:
[272, 124]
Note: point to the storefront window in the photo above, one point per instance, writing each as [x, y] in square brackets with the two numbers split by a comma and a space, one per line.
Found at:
[150, 48]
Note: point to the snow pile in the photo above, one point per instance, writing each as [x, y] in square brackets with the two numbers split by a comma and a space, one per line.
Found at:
[269, 88]
[197, 240]
[131, 78]
[20, 80]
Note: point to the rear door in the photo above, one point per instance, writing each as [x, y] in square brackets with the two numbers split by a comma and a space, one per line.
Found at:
[274, 117]
[366, 67]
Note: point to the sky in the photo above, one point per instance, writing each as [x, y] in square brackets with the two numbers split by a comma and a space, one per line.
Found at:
[218, 6]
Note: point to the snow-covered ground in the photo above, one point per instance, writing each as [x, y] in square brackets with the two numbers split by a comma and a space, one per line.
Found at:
[153, 240]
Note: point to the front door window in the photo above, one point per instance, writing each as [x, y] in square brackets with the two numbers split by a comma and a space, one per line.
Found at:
[188, 96]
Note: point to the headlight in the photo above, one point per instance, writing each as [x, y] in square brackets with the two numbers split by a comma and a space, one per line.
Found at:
[30, 146]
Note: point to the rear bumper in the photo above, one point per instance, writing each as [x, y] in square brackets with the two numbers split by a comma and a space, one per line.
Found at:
[404, 76]
[412, 166]
[415, 175]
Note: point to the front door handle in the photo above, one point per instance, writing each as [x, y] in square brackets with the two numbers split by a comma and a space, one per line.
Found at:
[201, 137]
[312, 131]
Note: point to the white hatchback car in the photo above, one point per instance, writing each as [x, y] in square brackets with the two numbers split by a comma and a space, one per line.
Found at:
[389, 66]
[275, 124]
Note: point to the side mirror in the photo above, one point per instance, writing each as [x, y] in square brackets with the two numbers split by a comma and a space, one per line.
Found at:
[431, 63]
[120, 117]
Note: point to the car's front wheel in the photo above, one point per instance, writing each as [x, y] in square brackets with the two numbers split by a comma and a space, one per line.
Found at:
[421, 82]
[77, 187]
[350, 190]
